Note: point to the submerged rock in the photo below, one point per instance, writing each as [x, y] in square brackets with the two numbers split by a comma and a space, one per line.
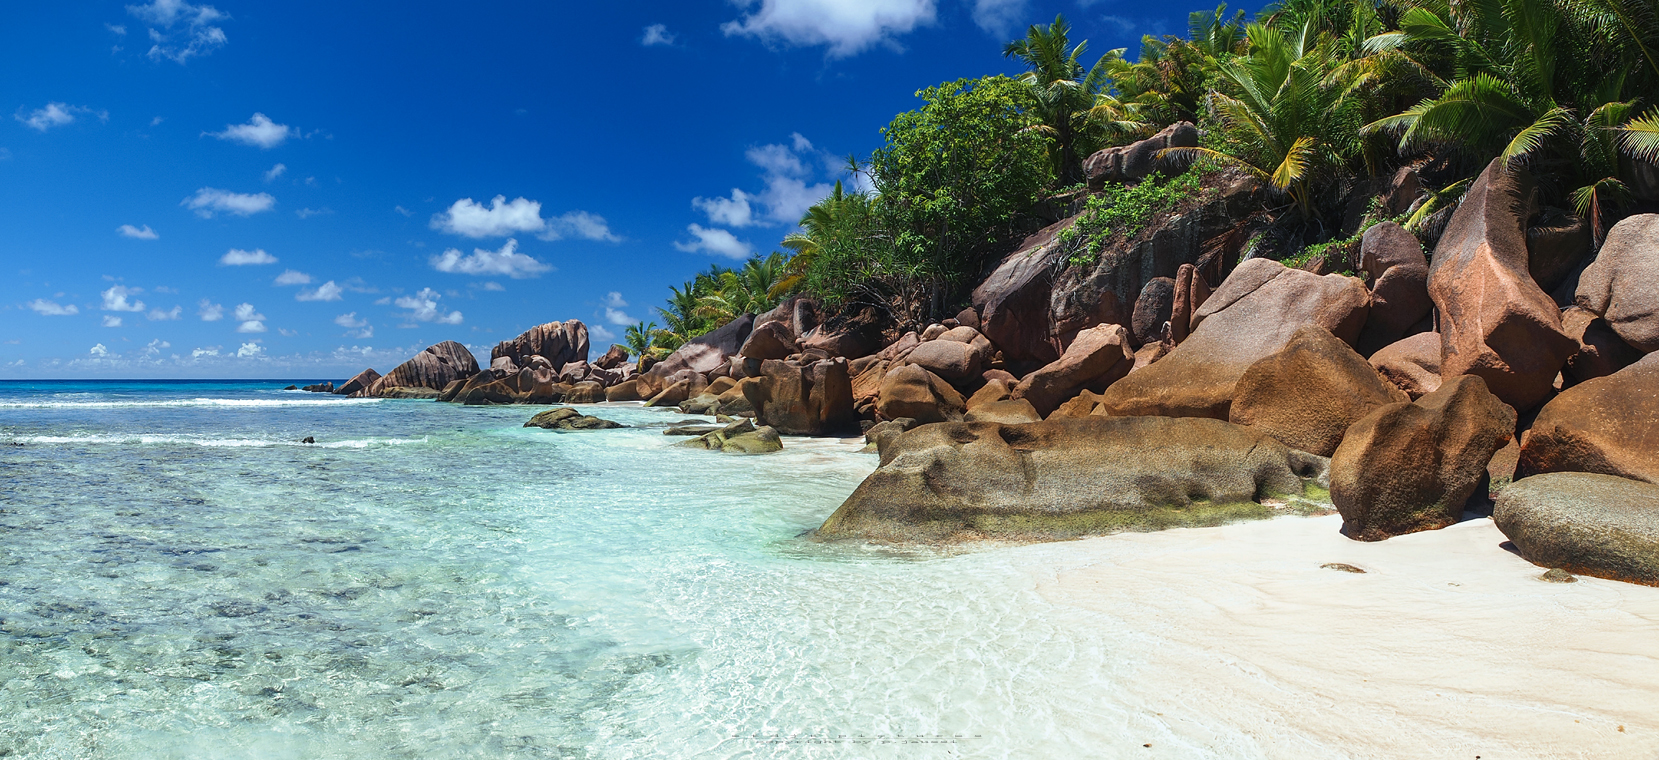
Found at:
[1065, 478]
[566, 418]
[1584, 523]
[740, 437]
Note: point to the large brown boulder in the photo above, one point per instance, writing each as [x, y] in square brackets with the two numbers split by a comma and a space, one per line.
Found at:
[358, 383]
[1408, 467]
[771, 340]
[1495, 322]
[1411, 364]
[955, 362]
[1250, 317]
[815, 399]
[1399, 276]
[1137, 160]
[706, 353]
[558, 342]
[1096, 359]
[1066, 478]
[1191, 291]
[1622, 284]
[614, 357]
[627, 390]
[1152, 310]
[1013, 302]
[1608, 425]
[1584, 523]
[434, 368]
[1601, 351]
[910, 391]
[1307, 394]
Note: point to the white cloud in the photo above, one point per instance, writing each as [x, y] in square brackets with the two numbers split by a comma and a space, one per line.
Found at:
[198, 36]
[502, 217]
[237, 257]
[1000, 18]
[52, 308]
[327, 291]
[423, 307]
[614, 300]
[507, 261]
[847, 27]
[119, 29]
[144, 233]
[249, 350]
[618, 317]
[601, 333]
[732, 212]
[307, 213]
[716, 241]
[115, 299]
[349, 319]
[259, 132]
[55, 115]
[403, 211]
[788, 171]
[276, 171]
[200, 352]
[110, 320]
[657, 34]
[495, 286]
[210, 200]
[153, 348]
[252, 321]
[291, 277]
[157, 315]
[210, 311]
[98, 350]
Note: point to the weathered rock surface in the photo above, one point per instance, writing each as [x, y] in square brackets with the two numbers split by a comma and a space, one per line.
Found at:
[401, 391]
[585, 392]
[1152, 310]
[1096, 359]
[772, 340]
[955, 362]
[1137, 160]
[1191, 291]
[991, 392]
[1585, 523]
[1413, 466]
[557, 342]
[1250, 317]
[1007, 412]
[910, 391]
[614, 357]
[1495, 322]
[795, 399]
[1399, 275]
[1411, 364]
[565, 418]
[1622, 284]
[1608, 425]
[705, 353]
[1601, 351]
[627, 390]
[1065, 478]
[1308, 394]
[433, 368]
[1556, 248]
[741, 437]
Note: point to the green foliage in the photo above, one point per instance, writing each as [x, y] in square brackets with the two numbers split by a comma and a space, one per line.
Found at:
[1121, 212]
[713, 298]
[1064, 92]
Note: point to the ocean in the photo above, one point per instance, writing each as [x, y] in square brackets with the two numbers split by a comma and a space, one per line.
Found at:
[181, 577]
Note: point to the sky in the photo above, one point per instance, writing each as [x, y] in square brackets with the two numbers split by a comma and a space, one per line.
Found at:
[244, 189]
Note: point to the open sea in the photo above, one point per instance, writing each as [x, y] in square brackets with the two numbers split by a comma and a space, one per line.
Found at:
[181, 577]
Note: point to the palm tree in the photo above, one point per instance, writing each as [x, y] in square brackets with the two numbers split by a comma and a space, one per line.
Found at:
[644, 339]
[1063, 88]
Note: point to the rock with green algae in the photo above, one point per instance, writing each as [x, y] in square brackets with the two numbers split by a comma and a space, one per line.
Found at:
[1584, 523]
[1066, 478]
[566, 418]
[741, 437]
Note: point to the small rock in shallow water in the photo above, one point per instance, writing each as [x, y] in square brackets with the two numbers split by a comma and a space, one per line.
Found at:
[1557, 575]
[1343, 566]
[308, 439]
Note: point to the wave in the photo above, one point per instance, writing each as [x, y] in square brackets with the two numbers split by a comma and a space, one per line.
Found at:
[191, 440]
[194, 402]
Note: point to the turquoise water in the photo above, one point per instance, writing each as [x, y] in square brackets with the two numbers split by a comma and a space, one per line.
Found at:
[179, 577]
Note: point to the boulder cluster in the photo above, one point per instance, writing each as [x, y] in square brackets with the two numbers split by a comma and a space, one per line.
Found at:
[1168, 385]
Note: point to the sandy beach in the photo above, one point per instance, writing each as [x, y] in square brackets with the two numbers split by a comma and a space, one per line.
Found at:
[1447, 646]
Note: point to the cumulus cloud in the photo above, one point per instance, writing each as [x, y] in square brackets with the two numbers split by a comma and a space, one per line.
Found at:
[291, 277]
[141, 233]
[618, 317]
[275, 171]
[110, 320]
[259, 132]
[250, 318]
[237, 257]
[54, 115]
[716, 241]
[614, 300]
[845, 27]
[731, 212]
[157, 315]
[115, 299]
[507, 261]
[210, 311]
[327, 291]
[502, 217]
[657, 34]
[210, 200]
[208, 351]
[52, 308]
[181, 31]
[423, 307]
[789, 172]
[355, 328]
[601, 333]
[249, 350]
[999, 18]
[98, 350]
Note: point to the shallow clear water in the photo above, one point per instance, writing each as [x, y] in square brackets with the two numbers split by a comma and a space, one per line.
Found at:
[179, 577]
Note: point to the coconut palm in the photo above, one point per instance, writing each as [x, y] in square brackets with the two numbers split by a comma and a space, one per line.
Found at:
[1063, 88]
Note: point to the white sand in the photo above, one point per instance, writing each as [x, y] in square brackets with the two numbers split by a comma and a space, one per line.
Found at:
[1241, 645]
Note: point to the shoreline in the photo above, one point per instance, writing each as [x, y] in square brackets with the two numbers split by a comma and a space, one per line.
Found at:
[1447, 646]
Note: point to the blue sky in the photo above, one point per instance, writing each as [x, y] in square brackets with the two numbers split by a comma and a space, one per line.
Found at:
[242, 189]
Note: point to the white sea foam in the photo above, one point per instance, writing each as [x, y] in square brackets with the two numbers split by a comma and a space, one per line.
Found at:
[190, 440]
[236, 403]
